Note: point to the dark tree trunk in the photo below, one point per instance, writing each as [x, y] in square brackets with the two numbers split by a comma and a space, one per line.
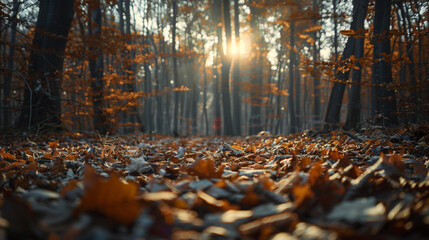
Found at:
[226, 67]
[236, 101]
[384, 101]
[412, 101]
[256, 76]
[217, 120]
[175, 73]
[316, 75]
[298, 112]
[354, 104]
[97, 69]
[291, 99]
[10, 64]
[42, 102]
[336, 98]
[334, 3]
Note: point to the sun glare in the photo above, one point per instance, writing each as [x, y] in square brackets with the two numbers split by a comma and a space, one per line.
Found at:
[241, 49]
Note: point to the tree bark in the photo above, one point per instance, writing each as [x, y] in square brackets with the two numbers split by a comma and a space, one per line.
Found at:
[291, 99]
[236, 100]
[42, 102]
[384, 101]
[335, 100]
[10, 64]
[175, 73]
[97, 69]
[226, 67]
[316, 75]
[256, 76]
[354, 104]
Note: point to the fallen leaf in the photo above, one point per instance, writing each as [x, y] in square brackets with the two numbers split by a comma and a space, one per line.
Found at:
[112, 197]
[205, 168]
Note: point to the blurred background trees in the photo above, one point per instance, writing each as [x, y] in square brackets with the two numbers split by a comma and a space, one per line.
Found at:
[208, 67]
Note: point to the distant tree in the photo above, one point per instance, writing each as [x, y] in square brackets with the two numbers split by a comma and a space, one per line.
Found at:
[291, 98]
[42, 98]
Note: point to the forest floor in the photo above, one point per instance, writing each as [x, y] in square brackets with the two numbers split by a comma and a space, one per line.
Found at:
[372, 184]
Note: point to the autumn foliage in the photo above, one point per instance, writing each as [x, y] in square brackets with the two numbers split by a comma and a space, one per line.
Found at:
[340, 185]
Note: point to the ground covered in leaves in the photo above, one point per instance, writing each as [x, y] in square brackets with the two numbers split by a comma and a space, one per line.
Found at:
[373, 184]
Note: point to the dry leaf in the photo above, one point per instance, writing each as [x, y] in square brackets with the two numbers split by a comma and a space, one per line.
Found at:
[112, 197]
[205, 168]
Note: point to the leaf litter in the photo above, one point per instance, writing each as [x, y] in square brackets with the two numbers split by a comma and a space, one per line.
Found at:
[340, 185]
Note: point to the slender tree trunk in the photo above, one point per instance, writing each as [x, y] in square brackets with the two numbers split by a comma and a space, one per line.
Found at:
[412, 101]
[316, 75]
[10, 64]
[291, 99]
[334, 3]
[42, 102]
[236, 100]
[298, 115]
[384, 101]
[205, 115]
[226, 64]
[175, 73]
[256, 77]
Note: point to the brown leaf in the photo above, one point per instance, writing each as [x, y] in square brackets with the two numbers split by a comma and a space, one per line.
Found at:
[112, 197]
[205, 168]
[397, 162]
[302, 193]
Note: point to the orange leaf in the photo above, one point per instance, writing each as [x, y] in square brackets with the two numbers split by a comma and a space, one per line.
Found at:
[348, 32]
[7, 155]
[302, 193]
[250, 199]
[54, 145]
[315, 172]
[205, 168]
[72, 184]
[397, 162]
[112, 197]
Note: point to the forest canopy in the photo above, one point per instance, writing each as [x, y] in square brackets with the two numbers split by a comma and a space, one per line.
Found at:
[212, 67]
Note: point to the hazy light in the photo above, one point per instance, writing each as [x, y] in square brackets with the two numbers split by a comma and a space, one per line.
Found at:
[243, 47]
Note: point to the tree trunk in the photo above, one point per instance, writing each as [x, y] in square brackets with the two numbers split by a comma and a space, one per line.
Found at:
[291, 99]
[10, 64]
[384, 102]
[298, 113]
[236, 101]
[316, 75]
[42, 102]
[226, 64]
[332, 119]
[354, 104]
[175, 73]
[412, 101]
[334, 3]
[97, 69]
[256, 76]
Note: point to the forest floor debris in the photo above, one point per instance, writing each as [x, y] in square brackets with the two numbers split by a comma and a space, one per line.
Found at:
[340, 185]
